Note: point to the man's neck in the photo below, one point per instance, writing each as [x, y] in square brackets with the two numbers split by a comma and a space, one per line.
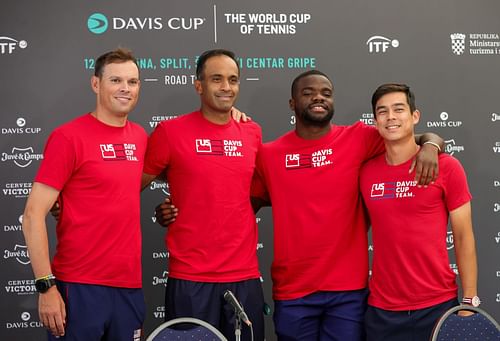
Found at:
[398, 152]
[312, 132]
[220, 118]
[109, 119]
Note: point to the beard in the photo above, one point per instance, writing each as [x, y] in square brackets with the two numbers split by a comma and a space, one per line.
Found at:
[318, 121]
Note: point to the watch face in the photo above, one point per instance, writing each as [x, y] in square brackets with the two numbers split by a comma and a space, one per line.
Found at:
[41, 286]
[475, 301]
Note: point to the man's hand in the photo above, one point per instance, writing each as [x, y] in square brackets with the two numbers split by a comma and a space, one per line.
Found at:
[239, 116]
[166, 212]
[55, 211]
[426, 165]
[52, 311]
[465, 313]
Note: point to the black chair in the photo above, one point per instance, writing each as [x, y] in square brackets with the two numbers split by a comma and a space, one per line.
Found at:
[186, 328]
[480, 326]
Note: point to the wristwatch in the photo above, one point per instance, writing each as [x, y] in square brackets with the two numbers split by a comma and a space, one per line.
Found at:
[473, 301]
[43, 284]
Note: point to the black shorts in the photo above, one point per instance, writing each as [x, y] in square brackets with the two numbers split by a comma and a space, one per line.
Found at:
[205, 301]
[99, 313]
[405, 325]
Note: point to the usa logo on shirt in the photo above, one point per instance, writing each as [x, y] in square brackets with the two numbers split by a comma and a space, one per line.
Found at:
[231, 148]
[394, 189]
[297, 161]
[319, 158]
[382, 190]
[118, 152]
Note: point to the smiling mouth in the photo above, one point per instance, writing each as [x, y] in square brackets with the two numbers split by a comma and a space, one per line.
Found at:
[225, 97]
[319, 108]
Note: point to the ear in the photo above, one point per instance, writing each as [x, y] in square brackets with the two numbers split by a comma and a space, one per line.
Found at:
[94, 83]
[291, 104]
[416, 117]
[198, 87]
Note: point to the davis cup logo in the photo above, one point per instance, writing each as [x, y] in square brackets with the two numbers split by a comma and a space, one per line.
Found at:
[457, 43]
[97, 23]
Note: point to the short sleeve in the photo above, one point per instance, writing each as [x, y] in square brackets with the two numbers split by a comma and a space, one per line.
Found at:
[455, 183]
[158, 151]
[258, 188]
[59, 161]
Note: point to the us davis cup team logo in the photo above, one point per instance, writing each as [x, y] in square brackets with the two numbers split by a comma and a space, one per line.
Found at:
[457, 43]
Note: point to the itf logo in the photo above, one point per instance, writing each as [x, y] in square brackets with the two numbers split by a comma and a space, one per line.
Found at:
[8, 45]
[380, 44]
[97, 23]
[458, 43]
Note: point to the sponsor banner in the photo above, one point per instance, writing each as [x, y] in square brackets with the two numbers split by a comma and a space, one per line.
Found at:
[452, 147]
[17, 189]
[20, 286]
[16, 227]
[23, 321]
[9, 45]
[99, 23]
[19, 253]
[474, 44]
[444, 122]
[21, 128]
[21, 156]
[380, 44]
[160, 280]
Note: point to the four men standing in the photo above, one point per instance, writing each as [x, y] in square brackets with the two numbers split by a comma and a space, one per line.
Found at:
[209, 160]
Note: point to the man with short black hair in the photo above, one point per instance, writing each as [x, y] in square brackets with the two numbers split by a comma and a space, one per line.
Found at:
[412, 284]
[208, 159]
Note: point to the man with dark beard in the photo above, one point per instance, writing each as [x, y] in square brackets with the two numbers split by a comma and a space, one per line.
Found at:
[310, 175]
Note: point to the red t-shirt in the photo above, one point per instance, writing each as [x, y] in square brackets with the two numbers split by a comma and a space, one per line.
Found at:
[320, 241]
[209, 169]
[410, 261]
[98, 170]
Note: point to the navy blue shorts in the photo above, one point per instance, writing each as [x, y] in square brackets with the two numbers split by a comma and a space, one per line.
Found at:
[405, 325]
[101, 313]
[205, 301]
[323, 315]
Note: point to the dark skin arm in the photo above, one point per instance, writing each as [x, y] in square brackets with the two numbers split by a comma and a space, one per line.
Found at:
[425, 164]
[166, 212]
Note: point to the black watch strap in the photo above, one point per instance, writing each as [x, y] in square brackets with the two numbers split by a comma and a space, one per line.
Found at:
[43, 284]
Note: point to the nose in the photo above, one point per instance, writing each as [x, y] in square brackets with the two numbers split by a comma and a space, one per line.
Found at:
[125, 87]
[318, 97]
[224, 84]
